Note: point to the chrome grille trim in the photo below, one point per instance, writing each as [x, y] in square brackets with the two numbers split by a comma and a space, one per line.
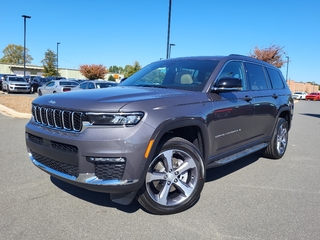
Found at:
[66, 120]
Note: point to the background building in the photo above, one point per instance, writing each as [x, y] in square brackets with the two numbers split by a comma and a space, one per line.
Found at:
[302, 87]
[32, 70]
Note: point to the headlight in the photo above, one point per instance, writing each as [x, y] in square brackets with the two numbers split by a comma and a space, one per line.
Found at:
[114, 118]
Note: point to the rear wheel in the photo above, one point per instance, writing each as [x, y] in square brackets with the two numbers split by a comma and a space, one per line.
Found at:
[279, 142]
[174, 179]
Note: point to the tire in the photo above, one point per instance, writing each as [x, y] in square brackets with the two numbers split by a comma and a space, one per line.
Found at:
[279, 141]
[31, 89]
[39, 93]
[174, 178]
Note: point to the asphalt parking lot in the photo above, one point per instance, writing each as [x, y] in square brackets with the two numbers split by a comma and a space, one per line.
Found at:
[253, 198]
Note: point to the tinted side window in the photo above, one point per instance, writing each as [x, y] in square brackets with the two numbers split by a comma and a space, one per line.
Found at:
[257, 77]
[50, 84]
[91, 86]
[83, 85]
[276, 79]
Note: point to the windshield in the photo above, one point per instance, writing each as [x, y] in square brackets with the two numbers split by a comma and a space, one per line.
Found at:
[17, 79]
[105, 85]
[185, 74]
[44, 80]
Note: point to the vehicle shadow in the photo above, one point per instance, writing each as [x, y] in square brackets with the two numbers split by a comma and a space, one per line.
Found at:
[222, 171]
[97, 198]
[311, 115]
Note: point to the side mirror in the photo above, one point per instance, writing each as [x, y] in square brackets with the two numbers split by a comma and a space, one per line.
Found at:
[228, 84]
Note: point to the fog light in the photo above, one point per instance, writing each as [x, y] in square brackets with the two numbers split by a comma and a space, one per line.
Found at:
[106, 159]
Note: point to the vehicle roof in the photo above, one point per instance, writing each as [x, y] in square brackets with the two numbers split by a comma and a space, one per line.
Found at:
[97, 80]
[63, 80]
[224, 58]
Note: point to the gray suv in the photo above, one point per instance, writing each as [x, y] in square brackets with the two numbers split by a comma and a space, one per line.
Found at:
[154, 135]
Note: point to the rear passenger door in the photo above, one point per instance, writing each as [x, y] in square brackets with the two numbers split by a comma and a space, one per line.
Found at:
[266, 100]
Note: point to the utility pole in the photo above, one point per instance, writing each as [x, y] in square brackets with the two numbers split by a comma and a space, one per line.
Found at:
[24, 45]
[168, 37]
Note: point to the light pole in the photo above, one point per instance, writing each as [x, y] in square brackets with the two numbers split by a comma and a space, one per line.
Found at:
[58, 59]
[24, 45]
[168, 37]
[171, 45]
[287, 68]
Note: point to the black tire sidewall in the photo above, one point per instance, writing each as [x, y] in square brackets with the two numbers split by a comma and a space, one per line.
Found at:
[180, 144]
[272, 151]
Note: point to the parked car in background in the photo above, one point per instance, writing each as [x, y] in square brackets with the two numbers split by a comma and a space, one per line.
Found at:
[315, 96]
[94, 84]
[299, 95]
[37, 82]
[15, 84]
[56, 86]
[3, 77]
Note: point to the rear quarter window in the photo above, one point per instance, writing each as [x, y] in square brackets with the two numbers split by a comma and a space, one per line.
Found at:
[276, 79]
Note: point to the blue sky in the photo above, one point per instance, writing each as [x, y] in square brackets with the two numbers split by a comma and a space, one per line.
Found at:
[121, 32]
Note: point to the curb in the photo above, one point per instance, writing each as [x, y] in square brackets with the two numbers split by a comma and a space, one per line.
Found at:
[12, 113]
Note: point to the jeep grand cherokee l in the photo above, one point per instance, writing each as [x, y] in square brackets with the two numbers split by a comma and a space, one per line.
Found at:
[154, 135]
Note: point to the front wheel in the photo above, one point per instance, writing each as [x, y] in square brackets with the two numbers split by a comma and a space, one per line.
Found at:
[279, 141]
[174, 179]
[39, 93]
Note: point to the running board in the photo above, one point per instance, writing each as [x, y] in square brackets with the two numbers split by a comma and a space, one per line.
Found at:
[238, 155]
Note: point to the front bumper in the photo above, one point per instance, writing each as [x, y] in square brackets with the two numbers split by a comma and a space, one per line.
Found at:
[19, 89]
[88, 180]
[65, 156]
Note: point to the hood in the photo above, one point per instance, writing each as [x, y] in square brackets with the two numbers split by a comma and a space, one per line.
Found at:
[110, 99]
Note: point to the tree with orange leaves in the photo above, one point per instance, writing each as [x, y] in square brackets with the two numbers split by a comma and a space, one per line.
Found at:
[93, 71]
[272, 55]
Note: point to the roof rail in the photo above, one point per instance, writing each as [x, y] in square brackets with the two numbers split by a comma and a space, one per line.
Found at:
[238, 55]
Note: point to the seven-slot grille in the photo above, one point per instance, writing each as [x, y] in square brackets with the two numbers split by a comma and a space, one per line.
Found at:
[57, 118]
